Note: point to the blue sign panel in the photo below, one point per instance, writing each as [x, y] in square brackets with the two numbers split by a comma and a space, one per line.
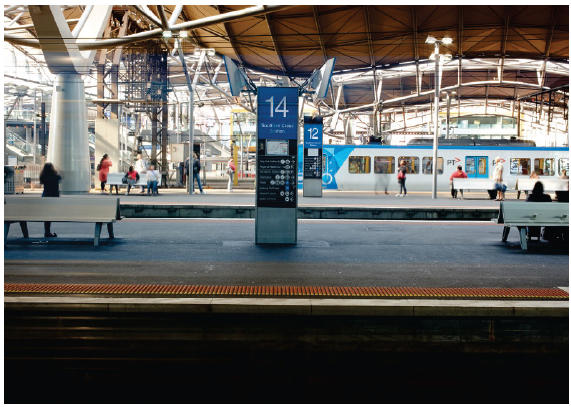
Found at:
[277, 113]
[313, 135]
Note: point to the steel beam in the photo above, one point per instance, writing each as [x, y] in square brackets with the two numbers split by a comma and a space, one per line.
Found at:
[276, 47]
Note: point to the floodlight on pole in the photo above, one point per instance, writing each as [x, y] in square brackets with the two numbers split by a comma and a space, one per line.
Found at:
[167, 34]
[436, 56]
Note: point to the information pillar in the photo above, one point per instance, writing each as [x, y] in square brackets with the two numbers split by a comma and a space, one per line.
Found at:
[276, 169]
[312, 156]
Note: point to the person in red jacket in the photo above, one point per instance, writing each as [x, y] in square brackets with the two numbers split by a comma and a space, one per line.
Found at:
[457, 174]
[104, 165]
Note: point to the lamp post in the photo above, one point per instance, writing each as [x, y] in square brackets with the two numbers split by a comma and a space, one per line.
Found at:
[432, 40]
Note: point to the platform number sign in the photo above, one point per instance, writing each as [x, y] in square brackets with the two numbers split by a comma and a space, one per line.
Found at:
[277, 113]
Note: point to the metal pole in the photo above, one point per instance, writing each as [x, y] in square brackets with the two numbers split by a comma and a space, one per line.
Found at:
[447, 115]
[436, 119]
[190, 181]
[34, 134]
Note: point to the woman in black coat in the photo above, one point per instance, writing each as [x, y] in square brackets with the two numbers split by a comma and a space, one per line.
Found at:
[51, 179]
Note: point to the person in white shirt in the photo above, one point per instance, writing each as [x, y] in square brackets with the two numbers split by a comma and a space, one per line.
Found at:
[152, 180]
[498, 177]
[141, 168]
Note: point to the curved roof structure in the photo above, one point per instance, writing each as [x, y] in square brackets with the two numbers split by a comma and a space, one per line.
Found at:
[497, 51]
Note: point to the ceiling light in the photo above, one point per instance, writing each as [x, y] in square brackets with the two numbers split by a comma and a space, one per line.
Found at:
[430, 40]
[183, 34]
[447, 40]
[167, 34]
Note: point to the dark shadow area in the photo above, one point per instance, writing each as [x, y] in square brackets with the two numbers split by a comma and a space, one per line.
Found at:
[234, 358]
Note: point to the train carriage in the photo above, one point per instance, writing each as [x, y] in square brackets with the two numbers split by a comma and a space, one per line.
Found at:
[372, 167]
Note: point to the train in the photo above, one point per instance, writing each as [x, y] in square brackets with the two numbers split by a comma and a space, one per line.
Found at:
[374, 167]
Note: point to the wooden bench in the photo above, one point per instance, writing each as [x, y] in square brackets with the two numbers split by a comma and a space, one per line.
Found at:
[527, 184]
[527, 214]
[116, 178]
[63, 209]
[472, 184]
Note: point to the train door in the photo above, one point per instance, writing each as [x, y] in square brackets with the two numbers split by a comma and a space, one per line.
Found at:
[477, 167]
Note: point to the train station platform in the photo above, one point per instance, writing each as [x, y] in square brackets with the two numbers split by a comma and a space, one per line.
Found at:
[358, 311]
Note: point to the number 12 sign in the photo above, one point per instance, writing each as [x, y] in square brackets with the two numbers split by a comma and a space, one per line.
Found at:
[277, 113]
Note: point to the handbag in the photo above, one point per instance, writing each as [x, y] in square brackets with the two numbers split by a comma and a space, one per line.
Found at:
[98, 167]
[124, 180]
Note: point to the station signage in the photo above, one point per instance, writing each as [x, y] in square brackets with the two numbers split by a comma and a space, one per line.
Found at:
[312, 148]
[276, 185]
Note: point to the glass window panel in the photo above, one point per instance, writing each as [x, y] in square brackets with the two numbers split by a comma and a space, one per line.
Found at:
[470, 165]
[520, 166]
[411, 164]
[384, 165]
[482, 165]
[359, 165]
[427, 165]
[544, 166]
[564, 165]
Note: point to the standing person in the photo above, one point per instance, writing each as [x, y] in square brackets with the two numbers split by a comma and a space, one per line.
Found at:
[196, 172]
[152, 181]
[103, 169]
[401, 178]
[457, 174]
[132, 178]
[498, 177]
[51, 179]
[230, 170]
[141, 168]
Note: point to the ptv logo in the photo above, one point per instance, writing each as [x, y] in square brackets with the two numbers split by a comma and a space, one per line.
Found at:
[453, 162]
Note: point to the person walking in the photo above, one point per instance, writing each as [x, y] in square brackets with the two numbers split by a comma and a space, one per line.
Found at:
[196, 172]
[498, 177]
[456, 174]
[103, 169]
[152, 181]
[401, 178]
[230, 170]
[141, 168]
[132, 178]
[51, 179]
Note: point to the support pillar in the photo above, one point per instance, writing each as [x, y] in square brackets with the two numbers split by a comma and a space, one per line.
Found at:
[68, 147]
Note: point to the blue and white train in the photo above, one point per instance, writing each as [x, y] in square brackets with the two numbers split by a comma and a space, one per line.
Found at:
[374, 167]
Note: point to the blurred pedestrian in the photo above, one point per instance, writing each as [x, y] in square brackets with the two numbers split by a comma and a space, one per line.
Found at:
[401, 178]
[196, 172]
[230, 170]
[103, 169]
[51, 179]
[498, 177]
[141, 167]
[153, 177]
[456, 174]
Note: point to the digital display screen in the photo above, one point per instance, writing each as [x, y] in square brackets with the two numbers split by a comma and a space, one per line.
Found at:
[277, 147]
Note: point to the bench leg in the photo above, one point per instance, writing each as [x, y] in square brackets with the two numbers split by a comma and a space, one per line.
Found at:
[97, 233]
[24, 227]
[523, 237]
[505, 233]
[110, 230]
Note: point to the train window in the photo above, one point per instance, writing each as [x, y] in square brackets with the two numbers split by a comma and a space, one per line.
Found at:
[384, 165]
[520, 166]
[564, 165]
[359, 165]
[544, 166]
[427, 165]
[411, 164]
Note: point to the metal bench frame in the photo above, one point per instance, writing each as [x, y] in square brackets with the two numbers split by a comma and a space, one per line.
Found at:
[526, 214]
[57, 210]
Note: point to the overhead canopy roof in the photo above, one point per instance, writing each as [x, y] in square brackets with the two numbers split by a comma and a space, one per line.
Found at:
[523, 44]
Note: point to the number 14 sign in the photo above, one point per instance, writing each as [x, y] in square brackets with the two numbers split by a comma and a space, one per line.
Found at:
[277, 113]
